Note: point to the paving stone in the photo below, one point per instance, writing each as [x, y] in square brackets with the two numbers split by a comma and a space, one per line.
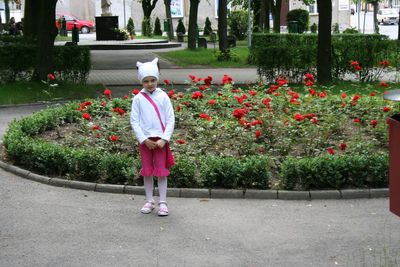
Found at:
[226, 193]
[293, 195]
[325, 194]
[261, 194]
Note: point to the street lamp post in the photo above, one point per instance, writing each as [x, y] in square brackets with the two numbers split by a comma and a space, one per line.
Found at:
[249, 27]
[124, 15]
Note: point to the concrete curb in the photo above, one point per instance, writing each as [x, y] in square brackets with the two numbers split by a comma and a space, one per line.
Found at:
[202, 192]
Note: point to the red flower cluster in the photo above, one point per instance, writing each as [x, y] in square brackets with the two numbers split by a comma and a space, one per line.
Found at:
[308, 79]
[226, 79]
[374, 123]
[166, 82]
[86, 116]
[83, 105]
[355, 65]
[181, 141]
[355, 99]
[212, 102]
[239, 113]
[120, 111]
[171, 93]
[384, 63]
[197, 95]
[51, 77]
[384, 84]
[208, 80]
[135, 91]
[114, 138]
[205, 116]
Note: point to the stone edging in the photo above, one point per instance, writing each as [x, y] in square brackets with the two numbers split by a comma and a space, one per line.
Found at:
[201, 192]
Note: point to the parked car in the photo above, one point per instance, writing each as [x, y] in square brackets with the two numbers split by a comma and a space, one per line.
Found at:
[85, 26]
[388, 16]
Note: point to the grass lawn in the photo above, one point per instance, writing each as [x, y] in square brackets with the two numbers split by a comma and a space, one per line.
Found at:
[206, 57]
[31, 92]
[63, 38]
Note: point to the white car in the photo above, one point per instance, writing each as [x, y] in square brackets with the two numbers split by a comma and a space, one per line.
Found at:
[388, 16]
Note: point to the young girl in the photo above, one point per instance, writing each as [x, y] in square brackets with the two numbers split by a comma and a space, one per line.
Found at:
[153, 120]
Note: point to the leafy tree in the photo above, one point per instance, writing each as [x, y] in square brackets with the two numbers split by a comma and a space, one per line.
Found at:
[238, 23]
[192, 34]
[147, 6]
[207, 27]
[301, 16]
[167, 4]
[157, 27]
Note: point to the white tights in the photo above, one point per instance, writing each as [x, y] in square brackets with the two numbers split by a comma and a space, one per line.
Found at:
[162, 188]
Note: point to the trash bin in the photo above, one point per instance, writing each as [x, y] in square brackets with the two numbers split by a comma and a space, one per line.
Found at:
[202, 42]
[293, 27]
[166, 26]
[394, 155]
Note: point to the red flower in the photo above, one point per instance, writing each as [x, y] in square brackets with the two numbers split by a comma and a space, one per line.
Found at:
[212, 102]
[384, 63]
[322, 94]
[258, 133]
[266, 101]
[239, 113]
[354, 63]
[208, 80]
[120, 111]
[298, 117]
[192, 77]
[272, 89]
[86, 116]
[314, 120]
[226, 79]
[96, 127]
[205, 116]
[107, 92]
[308, 77]
[331, 151]
[355, 98]
[197, 95]
[252, 92]
[372, 94]
[357, 120]
[383, 84]
[166, 82]
[114, 138]
[239, 99]
[125, 97]
[186, 103]
[343, 104]
[312, 92]
[282, 81]
[374, 123]
[103, 103]
[181, 141]
[51, 76]
[135, 91]
[309, 83]
[344, 95]
[171, 93]
[386, 109]
[343, 146]
[358, 68]
[178, 108]
[202, 87]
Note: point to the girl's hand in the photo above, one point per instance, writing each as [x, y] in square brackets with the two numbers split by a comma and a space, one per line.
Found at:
[150, 144]
[160, 143]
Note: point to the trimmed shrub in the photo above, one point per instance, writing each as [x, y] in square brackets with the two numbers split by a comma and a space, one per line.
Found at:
[314, 28]
[183, 173]
[130, 27]
[207, 27]
[157, 27]
[180, 28]
[146, 27]
[301, 16]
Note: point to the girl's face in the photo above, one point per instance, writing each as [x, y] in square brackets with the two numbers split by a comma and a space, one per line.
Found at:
[150, 83]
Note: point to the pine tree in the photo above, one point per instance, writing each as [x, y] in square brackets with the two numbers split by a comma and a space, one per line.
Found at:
[130, 27]
[157, 27]
[207, 27]
[181, 28]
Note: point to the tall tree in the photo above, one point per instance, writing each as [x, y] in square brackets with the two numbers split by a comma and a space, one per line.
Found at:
[193, 31]
[324, 55]
[375, 4]
[148, 6]
[7, 9]
[222, 25]
[276, 15]
[40, 28]
[167, 4]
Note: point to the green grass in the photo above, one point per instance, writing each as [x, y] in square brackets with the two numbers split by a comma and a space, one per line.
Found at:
[63, 38]
[31, 92]
[207, 58]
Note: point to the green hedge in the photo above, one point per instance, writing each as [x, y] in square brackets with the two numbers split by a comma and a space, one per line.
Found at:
[17, 59]
[327, 172]
[27, 149]
[293, 55]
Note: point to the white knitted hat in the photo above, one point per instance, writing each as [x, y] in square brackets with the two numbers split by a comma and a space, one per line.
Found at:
[148, 69]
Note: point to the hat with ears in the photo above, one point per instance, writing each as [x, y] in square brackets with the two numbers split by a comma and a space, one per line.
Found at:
[148, 69]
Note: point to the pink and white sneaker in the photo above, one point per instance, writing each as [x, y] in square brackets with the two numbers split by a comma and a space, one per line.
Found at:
[162, 209]
[148, 207]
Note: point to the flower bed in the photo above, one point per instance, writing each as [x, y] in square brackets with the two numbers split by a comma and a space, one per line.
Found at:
[264, 136]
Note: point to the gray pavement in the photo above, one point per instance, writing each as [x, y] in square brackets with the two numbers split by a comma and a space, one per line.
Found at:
[42, 225]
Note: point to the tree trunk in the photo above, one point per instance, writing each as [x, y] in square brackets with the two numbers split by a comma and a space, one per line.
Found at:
[148, 7]
[376, 7]
[7, 10]
[276, 9]
[263, 11]
[398, 29]
[267, 12]
[324, 55]
[30, 29]
[192, 32]
[167, 4]
[45, 21]
[222, 25]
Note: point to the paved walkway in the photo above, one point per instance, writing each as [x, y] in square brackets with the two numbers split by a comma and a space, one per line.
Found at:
[42, 225]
